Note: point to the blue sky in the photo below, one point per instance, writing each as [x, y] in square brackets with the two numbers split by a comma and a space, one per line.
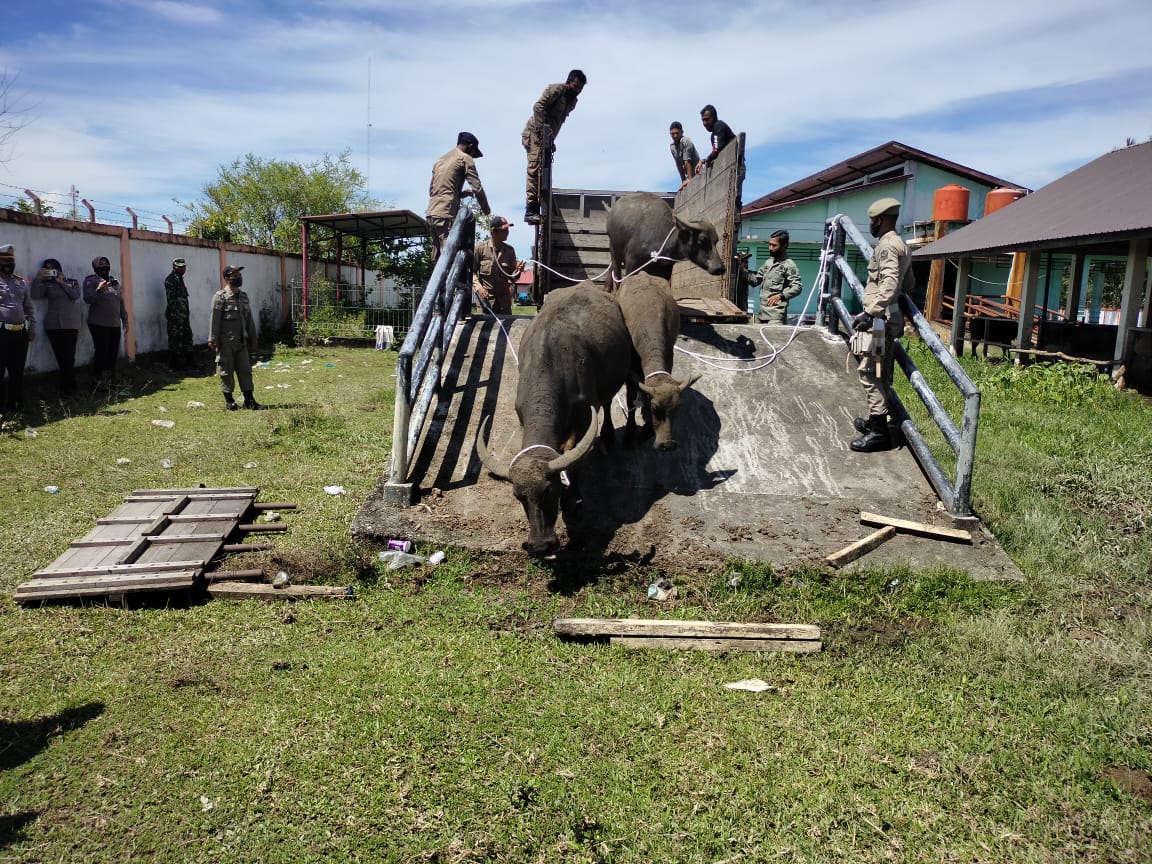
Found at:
[137, 102]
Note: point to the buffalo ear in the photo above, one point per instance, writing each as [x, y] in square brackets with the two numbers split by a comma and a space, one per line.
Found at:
[690, 382]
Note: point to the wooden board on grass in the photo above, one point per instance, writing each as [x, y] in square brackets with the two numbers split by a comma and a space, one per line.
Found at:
[694, 635]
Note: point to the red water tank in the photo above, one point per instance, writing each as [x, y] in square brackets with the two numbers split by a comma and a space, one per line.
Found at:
[950, 204]
[999, 197]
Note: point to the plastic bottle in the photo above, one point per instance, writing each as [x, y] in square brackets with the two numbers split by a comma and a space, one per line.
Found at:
[397, 559]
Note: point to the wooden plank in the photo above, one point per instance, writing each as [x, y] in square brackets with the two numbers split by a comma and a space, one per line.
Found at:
[196, 492]
[165, 539]
[671, 628]
[233, 575]
[264, 591]
[47, 589]
[791, 646]
[274, 505]
[941, 533]
[860, 547]
[170, 566]
[166, 553]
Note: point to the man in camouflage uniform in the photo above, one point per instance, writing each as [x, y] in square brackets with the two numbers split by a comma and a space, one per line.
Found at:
[551, 109]
[495, 268]
[779, 281]
[449, 174]
[177, 315]
[230, 334]
[889, 273]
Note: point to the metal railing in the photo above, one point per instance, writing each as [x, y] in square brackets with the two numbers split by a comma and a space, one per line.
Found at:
[956, 494]
[420, 364]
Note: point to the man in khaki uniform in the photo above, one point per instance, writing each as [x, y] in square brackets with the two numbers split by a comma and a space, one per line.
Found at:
[496, 268]
[889, 273]
[551, 109]
[231, 333]
[449, 174]
[779, 281]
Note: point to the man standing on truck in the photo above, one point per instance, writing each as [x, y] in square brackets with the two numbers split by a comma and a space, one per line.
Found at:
[683, 152]
[881, 323]
[721, 132]
[449, 175]
[551, 109]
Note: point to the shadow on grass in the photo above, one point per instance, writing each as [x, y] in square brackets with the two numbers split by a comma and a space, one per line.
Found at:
[22, 739]
[12, 827]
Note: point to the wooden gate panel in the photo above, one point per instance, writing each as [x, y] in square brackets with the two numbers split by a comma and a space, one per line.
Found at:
[157, 539]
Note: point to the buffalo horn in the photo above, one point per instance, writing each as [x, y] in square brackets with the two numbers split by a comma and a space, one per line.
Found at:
[582, 448]
[489, 461]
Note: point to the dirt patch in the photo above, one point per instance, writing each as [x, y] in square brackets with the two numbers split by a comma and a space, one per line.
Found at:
[886, 634]
[1131, 780]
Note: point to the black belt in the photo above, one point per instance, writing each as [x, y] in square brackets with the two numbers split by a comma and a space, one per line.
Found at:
[15, 327]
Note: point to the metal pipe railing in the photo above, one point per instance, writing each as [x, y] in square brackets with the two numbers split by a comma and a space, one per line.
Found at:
[955, 494]
[420, 363]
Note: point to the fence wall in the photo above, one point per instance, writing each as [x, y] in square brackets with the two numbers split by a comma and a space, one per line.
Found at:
[141, 260]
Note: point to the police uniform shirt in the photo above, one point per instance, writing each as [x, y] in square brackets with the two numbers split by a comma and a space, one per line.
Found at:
[777, 277]
[231, 317]
[494, 269]
[16, 309]
[449, 174]
[553, 107]
[889, 273]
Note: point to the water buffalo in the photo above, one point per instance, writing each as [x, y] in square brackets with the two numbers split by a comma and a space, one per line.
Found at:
[642, 225]
[574, 357]
[653, 321]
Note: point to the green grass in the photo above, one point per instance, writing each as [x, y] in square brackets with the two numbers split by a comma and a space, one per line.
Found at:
[435, 717]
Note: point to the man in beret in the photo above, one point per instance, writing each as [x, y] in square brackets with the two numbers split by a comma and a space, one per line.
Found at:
[231, 333]
[889, 273]
[176, 313]
[551, 109]
[17, 319]
[449, 174]
[495, 268]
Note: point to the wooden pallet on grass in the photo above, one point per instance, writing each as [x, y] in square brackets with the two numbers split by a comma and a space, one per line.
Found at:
[157, 540]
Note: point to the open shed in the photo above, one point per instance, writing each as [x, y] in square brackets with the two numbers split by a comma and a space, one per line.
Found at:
[354, 236]
[1101, 209]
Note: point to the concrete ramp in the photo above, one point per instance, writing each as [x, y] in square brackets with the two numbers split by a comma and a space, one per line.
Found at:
[763, 470]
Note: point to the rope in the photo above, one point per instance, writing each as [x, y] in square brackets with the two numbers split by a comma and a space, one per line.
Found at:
[499, 323]
[774, 352]
[532, 447]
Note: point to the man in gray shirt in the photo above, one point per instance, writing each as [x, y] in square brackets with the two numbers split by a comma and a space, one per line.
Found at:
[683, 152]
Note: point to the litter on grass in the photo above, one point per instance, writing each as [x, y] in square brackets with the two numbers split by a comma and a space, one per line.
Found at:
[167, 424]
[334, 490]
[194, 404]
[123, 460]
[752, 685]
[30, 432]
[249, 465]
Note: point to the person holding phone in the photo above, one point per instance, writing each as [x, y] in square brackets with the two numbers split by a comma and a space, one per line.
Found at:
[107, 316]
[61, 297]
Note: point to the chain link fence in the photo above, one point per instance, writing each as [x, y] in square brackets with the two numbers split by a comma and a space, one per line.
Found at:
[339, 311]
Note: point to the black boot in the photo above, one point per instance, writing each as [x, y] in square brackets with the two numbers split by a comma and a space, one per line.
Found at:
[860, 424]
[875, 436]
[250, 403]
[232, 406]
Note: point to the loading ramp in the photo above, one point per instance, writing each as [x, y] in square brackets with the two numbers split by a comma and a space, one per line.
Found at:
[763, 470]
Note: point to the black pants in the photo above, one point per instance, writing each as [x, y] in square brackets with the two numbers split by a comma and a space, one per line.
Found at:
[13, 355]
[105, 348]
[64, 347]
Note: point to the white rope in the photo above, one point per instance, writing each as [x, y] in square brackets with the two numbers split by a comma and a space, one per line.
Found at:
[532, 447]
[768, 359]
[657, 372]
[499, 323]
[956, 264]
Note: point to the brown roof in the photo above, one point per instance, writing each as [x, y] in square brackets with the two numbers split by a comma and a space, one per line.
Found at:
[1106, 200]
[886, 156]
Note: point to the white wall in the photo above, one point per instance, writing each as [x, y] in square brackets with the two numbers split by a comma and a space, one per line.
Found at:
[141, 260]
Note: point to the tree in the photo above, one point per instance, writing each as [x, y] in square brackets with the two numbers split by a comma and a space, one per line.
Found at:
[13, 111]
[26, 206]
[260, 201]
